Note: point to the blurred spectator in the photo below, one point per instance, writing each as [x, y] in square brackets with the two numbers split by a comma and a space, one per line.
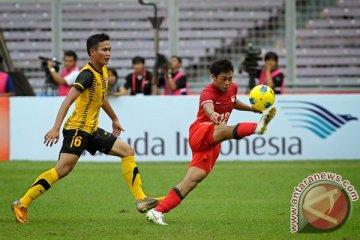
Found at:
[139, 81]
[114, 85]
[270, 74]
[174, 82]
[6, 84]
[68, 74]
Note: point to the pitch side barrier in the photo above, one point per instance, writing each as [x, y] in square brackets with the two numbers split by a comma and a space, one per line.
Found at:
[306, 127]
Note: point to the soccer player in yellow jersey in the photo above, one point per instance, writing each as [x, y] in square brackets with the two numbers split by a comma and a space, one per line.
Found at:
[81, 131]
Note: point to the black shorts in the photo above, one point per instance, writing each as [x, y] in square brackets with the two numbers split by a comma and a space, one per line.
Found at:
[76, 141]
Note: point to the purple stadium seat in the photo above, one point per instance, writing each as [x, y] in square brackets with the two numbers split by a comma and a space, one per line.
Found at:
[330, 42]
[349, 3]
[216, 24]
[336, 12]
[229, 4]
[327, 61]
[334, 71]
[334, 23]
[305, 33]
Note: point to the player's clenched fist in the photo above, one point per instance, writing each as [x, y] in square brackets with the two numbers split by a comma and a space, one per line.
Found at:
[51, 137]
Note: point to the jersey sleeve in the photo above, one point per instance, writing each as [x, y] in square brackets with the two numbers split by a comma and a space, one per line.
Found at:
[206, 97]
[84, 80]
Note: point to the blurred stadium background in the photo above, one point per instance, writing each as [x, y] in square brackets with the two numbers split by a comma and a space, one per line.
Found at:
[319, 48]
[317, 40]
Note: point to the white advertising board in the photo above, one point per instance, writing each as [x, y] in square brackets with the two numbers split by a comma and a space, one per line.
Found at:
[305, 127]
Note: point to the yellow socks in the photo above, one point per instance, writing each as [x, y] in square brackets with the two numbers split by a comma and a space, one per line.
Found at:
[129, 170]
[41, 184]
[132, 177]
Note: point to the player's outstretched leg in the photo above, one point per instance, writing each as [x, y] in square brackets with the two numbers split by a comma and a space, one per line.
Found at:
[41, 185]
[174, 197]
[131, 175]
[172, 200]
[266, 117]
[63, 167]
[243, 129]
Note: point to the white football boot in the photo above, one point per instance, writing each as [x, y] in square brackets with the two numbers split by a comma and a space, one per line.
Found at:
[266, 117]
[156, 217]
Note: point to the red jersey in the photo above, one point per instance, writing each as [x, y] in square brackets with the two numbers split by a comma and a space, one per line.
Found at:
[223, 102]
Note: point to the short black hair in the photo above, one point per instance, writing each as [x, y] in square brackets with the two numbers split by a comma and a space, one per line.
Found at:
[114, 72]
[221, 65]
[177, 57]
[71, 53]
[271, 56]
[138, 59]
[94, 40]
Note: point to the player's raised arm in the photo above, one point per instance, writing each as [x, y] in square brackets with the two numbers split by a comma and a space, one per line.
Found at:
[52, 136]
[112, 115]
[210, 112]
[244, 107]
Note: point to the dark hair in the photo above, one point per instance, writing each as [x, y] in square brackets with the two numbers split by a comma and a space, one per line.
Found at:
[138, 59]
[94, 40]
[178, 58]
[114, 72]
[271, 56]
[71, 53]
[221, 65]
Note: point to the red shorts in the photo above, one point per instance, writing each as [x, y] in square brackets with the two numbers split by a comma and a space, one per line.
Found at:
[204, 150]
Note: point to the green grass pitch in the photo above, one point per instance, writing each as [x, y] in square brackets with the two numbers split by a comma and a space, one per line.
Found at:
[238, 200]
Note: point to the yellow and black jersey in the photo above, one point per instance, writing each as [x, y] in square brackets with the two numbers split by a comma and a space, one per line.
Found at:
[93, 86]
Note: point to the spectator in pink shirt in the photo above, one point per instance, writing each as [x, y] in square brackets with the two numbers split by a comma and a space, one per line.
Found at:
[68, 74]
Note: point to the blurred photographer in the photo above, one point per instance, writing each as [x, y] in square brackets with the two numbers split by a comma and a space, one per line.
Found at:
[270, 74]
[68, 74]
[174, 81]
[139, 81]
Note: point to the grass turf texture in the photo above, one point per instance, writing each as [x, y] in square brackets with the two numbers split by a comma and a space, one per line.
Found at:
[238, 200]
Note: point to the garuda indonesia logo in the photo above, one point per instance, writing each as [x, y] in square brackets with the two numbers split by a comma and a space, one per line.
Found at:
[314, 117]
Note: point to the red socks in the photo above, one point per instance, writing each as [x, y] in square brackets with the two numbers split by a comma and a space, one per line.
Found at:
[244, 129]
[171, 201]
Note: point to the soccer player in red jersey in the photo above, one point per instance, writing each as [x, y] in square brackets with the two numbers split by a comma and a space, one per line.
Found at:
[217, 101]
